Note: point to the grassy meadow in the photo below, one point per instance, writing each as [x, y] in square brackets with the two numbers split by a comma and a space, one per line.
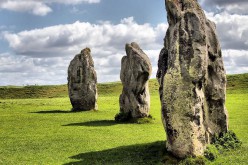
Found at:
[37, 127]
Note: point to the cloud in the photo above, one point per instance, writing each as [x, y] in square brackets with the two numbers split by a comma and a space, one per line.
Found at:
[232, 30]
[38, 7]
[236, 61]
[49, 50]
[67, 39]
[71, 2]
[41, 56]
[230, 6]
[21, 70]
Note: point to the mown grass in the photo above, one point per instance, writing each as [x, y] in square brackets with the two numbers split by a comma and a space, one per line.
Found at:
[44, 131]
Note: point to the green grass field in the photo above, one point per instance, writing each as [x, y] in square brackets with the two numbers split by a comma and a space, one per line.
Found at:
[40, 129]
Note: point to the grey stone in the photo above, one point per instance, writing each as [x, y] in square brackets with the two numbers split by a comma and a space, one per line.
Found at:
[82, 82]
[135, 72]
[192, 80]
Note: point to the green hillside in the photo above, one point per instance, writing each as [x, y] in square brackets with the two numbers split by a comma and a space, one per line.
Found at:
[235, 82]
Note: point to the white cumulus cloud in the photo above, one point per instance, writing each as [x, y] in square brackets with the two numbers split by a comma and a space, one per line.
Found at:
[37, 7]
[70, 38]
[49, 50]
[41, 56]
[232, 30]
[230, 6]
[236, 61]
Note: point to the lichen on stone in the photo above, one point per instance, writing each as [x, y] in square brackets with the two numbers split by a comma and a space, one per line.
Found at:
[192, 80]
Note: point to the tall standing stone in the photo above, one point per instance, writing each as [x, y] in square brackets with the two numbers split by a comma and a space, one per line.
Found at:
[135, 72]
[82, 82]
[192, 80]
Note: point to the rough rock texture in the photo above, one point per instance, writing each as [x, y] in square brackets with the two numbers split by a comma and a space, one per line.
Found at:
[135, 72]
[192, 80]
[82, 82]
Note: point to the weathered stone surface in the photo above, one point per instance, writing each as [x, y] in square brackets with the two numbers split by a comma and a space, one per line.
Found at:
[82, 82]
[135, 72]
[192, 80]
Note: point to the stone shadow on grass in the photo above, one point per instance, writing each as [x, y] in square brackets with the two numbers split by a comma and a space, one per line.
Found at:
[97, 123]
[52, 111]
[150, 153]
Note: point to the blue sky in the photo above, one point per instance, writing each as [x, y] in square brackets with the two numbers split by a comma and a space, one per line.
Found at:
[38, 38]
[106, 10]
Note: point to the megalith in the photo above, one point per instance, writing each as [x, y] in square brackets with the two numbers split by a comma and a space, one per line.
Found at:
[192, 80]
[82, 82]
[135, 72]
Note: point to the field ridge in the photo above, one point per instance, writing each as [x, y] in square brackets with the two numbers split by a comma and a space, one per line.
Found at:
[235, 82]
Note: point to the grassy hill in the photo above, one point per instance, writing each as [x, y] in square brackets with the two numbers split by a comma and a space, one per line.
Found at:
[237, 82]
[43, 130]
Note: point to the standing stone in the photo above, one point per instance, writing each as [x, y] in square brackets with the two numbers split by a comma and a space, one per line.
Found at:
[135, 72]
[82, 82]
[192, 80]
